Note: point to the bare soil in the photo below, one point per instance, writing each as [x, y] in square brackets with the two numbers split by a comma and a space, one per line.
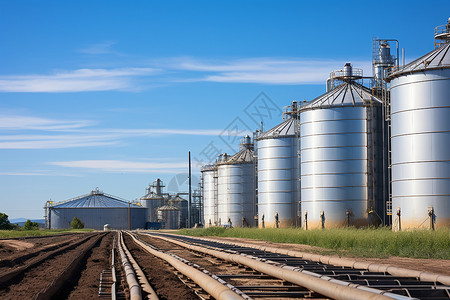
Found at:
[160, 274]
[439, 266]
[38, 278]
[88, 282]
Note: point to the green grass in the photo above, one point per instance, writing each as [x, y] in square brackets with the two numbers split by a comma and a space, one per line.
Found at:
[25, 233]
[366, 242]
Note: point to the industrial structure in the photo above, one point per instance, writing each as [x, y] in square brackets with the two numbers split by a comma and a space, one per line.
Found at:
[341, 155]
[370, 151]
[152, 200]
[236, 203]
[169, 216]
[420, 138]
[278, 173]
[209, 191]
[95, 210]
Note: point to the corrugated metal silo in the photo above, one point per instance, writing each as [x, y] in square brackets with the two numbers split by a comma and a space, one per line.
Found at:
[95, 210]
[209, 186]
[341, 156]
[153, 199]
[420, 139]
[169, 216]
[278, 173]
[236, 187]
[182, 205]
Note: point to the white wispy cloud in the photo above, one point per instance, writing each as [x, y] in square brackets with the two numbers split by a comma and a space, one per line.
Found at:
[20, 122]
[36, 173]
[100, 48]
[264, 70]
[81, 80]
[166, 71]
[55, 141]
[28, 132]
[122, 166]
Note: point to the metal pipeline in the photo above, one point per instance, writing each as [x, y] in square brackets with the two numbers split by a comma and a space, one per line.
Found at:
[145, 285]
[133, 284]
[332, 288]
[345, 262]
[210, 285]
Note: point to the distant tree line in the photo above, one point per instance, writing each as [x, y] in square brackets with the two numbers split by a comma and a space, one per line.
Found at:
[5, 224]
[29, 225]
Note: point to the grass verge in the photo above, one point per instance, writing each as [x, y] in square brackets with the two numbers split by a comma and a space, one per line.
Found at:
[25, 233]
[367, 242]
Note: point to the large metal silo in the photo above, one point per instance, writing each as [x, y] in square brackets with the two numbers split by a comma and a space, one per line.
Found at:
[341, 156]
[169, 216]
[236, 187]
[420, 138]
[278, 173]
[209, 186]
[153, 199]
[182, 205]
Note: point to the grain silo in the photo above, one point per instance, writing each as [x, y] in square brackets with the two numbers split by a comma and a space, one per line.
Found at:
[152, 200]
[182, 205]
[236, 187]
[168, 216]
[95, 210]
[278, 173]
[209, 192]
[341, 155]
[420, 138]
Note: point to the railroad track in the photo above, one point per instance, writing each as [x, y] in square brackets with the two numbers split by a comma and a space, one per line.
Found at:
[253, 273]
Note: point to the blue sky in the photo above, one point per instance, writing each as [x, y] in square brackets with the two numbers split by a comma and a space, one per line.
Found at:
[113, 94]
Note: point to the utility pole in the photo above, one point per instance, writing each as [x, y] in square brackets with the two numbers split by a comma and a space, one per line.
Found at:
[190, 193]
[129, 215]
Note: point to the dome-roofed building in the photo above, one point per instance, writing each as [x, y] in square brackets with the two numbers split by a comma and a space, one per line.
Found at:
[95, 210]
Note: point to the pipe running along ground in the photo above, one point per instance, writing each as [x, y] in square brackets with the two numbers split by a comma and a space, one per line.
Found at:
[145, 285]
[210, 285]
[332, 288]
[133, 285]
[345, 262]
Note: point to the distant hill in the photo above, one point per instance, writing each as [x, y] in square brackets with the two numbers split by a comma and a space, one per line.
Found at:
[21, 221]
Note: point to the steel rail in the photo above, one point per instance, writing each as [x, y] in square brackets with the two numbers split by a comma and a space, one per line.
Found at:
[145, 285]
[212, 286]
[346, 262]
[324, 285]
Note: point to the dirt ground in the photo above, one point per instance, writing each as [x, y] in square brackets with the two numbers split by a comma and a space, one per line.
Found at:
[100, 259]
[439, 266]
[39, 277]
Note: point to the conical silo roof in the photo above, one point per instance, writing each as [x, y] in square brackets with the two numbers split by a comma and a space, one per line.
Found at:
[210, 167]
[94, 199]
[284, 129]
[437, 59]
[347, 94]
[245, 156]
